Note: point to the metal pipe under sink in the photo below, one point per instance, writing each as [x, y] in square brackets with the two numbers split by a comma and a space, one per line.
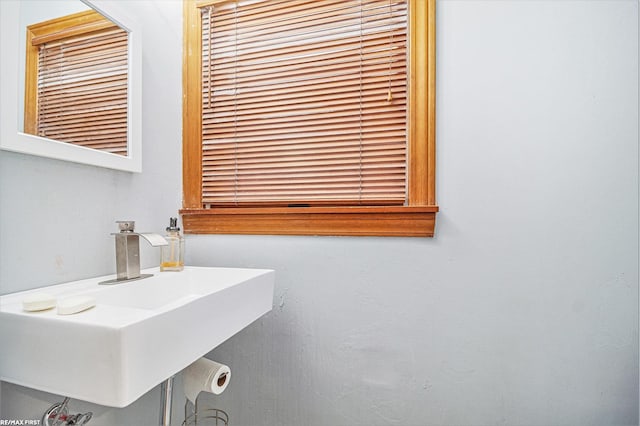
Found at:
[166, 395]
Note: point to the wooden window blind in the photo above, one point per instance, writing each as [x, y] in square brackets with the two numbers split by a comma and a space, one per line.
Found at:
[304, 103]
[309, 117]
[82, 80]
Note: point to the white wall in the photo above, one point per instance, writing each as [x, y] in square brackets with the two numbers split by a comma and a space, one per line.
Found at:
[522, 311]
[56, 217]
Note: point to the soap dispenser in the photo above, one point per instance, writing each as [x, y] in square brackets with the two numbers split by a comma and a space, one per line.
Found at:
[172, 255]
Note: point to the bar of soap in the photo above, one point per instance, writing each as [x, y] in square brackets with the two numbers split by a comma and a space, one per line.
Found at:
[75, 304]
[38, 302]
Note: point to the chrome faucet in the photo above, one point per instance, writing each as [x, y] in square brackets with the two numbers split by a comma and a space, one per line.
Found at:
[128, 251]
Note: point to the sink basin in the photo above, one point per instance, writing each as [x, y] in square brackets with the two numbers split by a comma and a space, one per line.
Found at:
[139, 333]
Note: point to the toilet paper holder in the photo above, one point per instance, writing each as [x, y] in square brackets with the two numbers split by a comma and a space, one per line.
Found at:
[203, 416]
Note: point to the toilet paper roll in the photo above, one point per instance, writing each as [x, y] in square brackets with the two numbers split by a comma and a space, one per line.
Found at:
[205, 375]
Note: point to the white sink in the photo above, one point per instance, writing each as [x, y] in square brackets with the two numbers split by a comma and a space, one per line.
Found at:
[139, 333]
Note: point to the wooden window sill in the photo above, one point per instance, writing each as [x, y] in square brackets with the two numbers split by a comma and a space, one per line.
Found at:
[402, 221]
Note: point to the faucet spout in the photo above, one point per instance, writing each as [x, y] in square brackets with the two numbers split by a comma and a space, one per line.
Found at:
[156, 240]
[128, 251]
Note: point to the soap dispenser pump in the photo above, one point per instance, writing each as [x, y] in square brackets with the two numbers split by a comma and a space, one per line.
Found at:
[172, 255]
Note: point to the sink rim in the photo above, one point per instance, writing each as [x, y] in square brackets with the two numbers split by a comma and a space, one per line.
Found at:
[12, 303]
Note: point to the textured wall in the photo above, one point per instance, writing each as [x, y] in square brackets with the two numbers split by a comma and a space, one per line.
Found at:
[56, 217]
[523, 309]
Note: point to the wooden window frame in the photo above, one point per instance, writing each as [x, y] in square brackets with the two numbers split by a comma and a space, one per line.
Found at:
[416, 218]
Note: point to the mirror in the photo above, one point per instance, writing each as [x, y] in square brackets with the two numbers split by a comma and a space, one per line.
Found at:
[15, 16]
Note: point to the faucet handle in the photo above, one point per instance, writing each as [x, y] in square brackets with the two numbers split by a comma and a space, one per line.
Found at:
[126, 225]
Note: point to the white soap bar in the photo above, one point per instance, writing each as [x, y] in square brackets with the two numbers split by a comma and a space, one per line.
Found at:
[75, 304]
[38, 302]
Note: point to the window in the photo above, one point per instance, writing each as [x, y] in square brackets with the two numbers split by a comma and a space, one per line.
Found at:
[76, 82]
[313, 118]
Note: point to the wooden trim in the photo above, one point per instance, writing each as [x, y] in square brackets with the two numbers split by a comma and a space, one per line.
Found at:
[369, 221]
[431, 102]
[30, 124]
[192, 107]
[421, 103]
[85, 28]
[68, 26]
[416, 219]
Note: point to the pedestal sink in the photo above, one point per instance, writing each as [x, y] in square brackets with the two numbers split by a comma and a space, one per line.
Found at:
[139, 333]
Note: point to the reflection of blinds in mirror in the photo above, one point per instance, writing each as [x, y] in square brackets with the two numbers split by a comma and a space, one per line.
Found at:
[82, 90]
[304, 102]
